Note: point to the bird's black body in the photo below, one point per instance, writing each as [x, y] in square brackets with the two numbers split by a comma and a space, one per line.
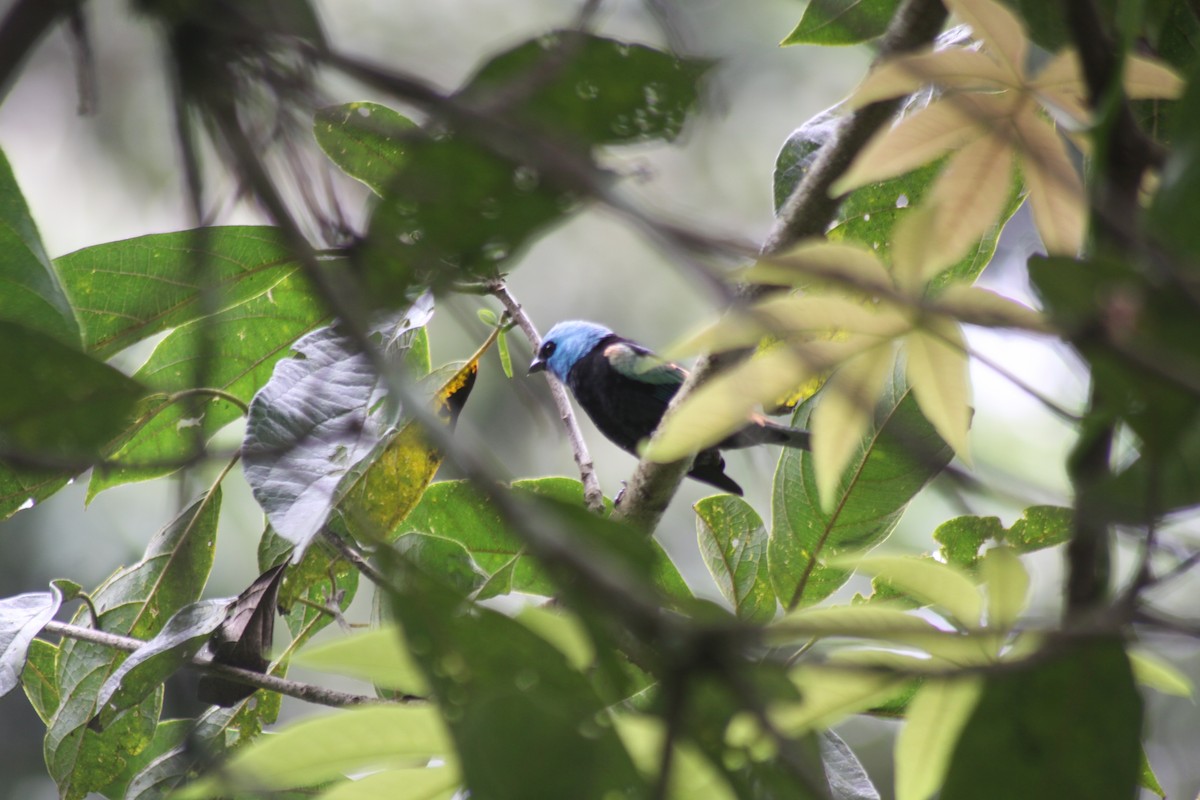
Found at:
[625, 390]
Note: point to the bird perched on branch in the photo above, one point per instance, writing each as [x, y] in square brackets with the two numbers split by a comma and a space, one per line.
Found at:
[625, 389]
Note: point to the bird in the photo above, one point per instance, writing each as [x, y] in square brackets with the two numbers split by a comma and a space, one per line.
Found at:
[625, 389]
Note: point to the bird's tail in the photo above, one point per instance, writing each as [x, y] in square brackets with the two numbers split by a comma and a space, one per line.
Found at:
[761, 431]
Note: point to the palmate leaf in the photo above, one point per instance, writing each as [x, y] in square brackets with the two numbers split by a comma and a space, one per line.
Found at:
[897, 457]
[234, 351]
[135, 601]
[313, 421]
[128, 290]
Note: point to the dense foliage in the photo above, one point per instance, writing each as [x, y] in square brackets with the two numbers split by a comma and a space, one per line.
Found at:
[850, 319]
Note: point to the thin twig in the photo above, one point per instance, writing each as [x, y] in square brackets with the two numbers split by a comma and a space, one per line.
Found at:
[296, 689]
[355, 557]
[593, 495]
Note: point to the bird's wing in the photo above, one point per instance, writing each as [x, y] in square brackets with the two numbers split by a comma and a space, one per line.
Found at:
[637, 363]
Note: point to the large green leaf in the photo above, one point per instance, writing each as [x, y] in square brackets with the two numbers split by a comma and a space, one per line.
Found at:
[127, 290]
[57, 403]
[456, 510]
[233, 351]
[842, 21]
[733, 541]
[367, 140]
[135, 601]
[320, 414]
[1067, 726]
[33, 296]
[38, 678]
[24, 487]
[590, 90]
[510, 699]
[899, 454]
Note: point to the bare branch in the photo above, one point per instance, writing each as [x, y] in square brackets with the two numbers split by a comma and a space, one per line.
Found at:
[593, 495]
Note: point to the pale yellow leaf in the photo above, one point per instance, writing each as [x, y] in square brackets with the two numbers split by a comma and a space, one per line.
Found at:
[411, 783]
[692, 776]
[724, 404]
[829, 695]
[735, 329]
[998, 28]
[379, 656]
[820, 262]
[1146, 78]
[914, 249]
[1060, 85]
[829, 316]
[886, 624]
[563, 630]
[937, 372]
[1007, 586]
[968, 197]
[955, 68]
[1151, 669]
[845, 409]
[943, 586]
[984, 307]
[933, 722]
[1055, 190]
[930, 133]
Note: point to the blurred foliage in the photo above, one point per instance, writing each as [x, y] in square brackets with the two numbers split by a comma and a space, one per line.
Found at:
[623, 683]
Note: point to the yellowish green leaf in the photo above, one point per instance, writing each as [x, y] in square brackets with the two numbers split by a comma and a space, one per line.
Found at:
[978, 306]
[830, 694]
[937, 372]
[562, 630]
[916, 254]
[724, 404]
[379, 656]
[1150, 669]
[1147, 78]
[933, 721]
[412, 783]
[943, 126]
[691, 776]
[1060, 85]
[945, 587]
[954, 68]
[968, 197]
[1007, 586]
[998, 28]
[845, 408]
[815, 262]
[1055, 189]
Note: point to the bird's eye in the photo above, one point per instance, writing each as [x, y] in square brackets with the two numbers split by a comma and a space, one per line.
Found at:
[547, 350]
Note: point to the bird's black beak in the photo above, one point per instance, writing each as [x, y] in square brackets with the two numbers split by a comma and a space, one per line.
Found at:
[538, 365]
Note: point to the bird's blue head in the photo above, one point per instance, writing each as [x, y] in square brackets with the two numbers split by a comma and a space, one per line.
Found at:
[565, 344]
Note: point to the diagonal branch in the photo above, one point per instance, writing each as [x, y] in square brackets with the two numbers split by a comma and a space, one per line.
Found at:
[807, 212]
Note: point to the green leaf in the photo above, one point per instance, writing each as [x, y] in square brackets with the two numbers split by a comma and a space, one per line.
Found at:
[22, 618]
[24, 487]
[417, 238]
[1068, 726]
[65, 405]
[325, 747]
[368, 141]
[320, 414]
[831, 22]
[456, 510]
[233, 351]
[733, 542]
[441, 556]
[128, 290]
[1040, 527]
[945, 587]
[380, 656]
[590, 90]
[899, 455]
[933, 722]
[509, 698]
[413, 783]
[38, 678]
[1148, 780]
[961, 538]
[169, 735]
[33, 297]
[322, 579]
[147, 667]
[135, 601]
